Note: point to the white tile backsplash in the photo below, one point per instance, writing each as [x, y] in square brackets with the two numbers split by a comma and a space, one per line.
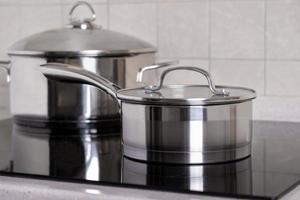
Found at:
[239, 73]
[251, 43]
[283, 29]
[89, 1]
[40, 2]
[135, 19]
[9, 2]
[39, 18]
[131, 1]
[183, 29]
[282, 78]
[9, 32]
[237, 29]
[277, 108]
[180, 76]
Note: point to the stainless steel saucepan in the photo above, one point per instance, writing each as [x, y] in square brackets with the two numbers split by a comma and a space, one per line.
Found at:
[190, 124]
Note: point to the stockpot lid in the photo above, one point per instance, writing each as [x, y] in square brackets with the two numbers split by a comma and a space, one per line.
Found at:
[186, 94]
[81, 38]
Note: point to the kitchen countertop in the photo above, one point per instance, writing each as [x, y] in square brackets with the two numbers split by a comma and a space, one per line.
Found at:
[15, 188]
[272, 170]
[19, 188]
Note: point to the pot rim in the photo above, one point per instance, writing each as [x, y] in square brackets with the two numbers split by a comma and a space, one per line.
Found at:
[146, 99]
[88, 53]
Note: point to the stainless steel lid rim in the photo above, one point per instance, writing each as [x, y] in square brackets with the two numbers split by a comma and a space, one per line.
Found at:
[86, 53]
[138, 96]
[183, 103]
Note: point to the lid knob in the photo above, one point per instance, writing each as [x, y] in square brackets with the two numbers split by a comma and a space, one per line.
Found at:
[85, 23]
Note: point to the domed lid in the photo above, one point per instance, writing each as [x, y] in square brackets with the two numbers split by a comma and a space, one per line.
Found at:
[80, 38]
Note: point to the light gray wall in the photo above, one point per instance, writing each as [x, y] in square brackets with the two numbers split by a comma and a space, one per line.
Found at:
[253, 43]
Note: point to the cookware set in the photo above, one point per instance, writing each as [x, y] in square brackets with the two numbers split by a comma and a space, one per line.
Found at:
[78, 74]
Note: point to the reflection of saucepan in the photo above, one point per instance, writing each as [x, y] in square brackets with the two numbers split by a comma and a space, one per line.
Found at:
[72, 155]
[232, 177]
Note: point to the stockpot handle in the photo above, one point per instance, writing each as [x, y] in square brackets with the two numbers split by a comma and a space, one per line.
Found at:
[5, 65]
[82, 3]
[154, 88]
[69, 73]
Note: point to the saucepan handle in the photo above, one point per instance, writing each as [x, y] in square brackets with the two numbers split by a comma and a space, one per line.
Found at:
[5, 65]
[69, 73]
[153, 88]
[140, 74]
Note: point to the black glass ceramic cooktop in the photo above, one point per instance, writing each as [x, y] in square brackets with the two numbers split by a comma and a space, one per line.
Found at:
[94, 156]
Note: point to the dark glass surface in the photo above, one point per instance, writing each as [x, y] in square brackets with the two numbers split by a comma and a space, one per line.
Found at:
[92, 155]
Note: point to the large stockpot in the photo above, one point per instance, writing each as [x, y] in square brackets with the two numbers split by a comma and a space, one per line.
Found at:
[113, 55]
[189, 124]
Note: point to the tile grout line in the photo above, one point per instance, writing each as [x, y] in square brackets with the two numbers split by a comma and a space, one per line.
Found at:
[108, 14]
[19, 19]
[164, 2]
[157, 27]
[265, 46]
[235, 59]
[62, 13]
[42, 5]
[209, 34]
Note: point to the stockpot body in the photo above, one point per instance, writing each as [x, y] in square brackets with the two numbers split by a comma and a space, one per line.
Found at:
[33, 98]
[187, 134]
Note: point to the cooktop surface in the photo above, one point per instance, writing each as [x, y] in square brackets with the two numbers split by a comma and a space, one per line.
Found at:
[91, 155]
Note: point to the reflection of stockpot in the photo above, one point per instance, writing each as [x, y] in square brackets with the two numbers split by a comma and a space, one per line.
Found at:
[85, 45]
[70, 153]
[226, 178]
[178, 123]
[5, 131]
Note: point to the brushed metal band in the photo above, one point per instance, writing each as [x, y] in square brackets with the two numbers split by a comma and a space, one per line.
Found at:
[180, 157]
